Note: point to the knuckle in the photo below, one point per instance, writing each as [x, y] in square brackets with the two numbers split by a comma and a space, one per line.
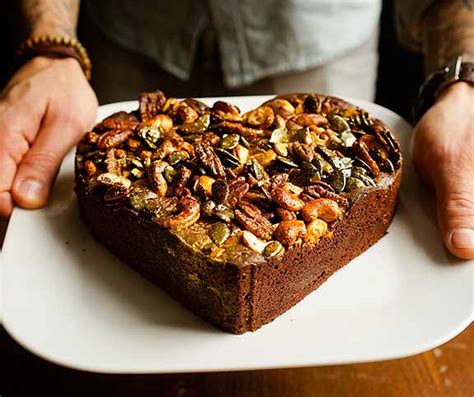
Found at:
[13, 146]
[459, 208]
[461, 201]
[42, 161]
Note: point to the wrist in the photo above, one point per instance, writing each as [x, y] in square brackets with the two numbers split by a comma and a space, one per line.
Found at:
[41, 61]
[461, 90]
[54, 47]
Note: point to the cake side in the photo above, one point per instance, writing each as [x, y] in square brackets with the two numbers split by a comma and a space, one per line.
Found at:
[236, 298]
[285, 281]
[213, 290]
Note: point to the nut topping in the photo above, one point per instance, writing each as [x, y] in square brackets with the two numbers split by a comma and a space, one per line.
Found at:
[278, 175]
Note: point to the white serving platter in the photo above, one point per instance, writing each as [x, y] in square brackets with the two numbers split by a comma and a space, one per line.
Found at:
[66, 299]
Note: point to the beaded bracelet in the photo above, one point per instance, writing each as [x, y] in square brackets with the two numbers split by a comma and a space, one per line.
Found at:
[57, 47]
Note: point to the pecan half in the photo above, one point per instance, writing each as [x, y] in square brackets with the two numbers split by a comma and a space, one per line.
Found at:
[320, 191]
[238, 188]
[209, 160]
[253, 221]
[179, 181]
[230, 127]
[151, 103]
[157, 179]
[113, 138]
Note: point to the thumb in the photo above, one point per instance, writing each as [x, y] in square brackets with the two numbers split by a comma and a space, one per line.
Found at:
[39, 166]
[455, 203]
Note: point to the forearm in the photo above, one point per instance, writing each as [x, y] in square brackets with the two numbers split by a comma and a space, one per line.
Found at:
[448, 31]
[54, 17]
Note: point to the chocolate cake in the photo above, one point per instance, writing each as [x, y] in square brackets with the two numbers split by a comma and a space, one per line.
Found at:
[238, 216]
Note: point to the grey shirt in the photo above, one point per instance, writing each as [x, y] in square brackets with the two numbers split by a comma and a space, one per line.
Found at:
[256, 38]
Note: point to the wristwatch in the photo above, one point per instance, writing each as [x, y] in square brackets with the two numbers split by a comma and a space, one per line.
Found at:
[456, 70]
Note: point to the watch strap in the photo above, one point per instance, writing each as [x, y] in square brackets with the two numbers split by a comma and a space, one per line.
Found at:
[457, 70]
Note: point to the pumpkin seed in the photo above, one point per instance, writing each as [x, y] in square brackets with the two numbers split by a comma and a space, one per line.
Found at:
[354, 184]
[169, 173]
[150, 134]
[280, 149]
[137, 163]
[303, 135]
[384, 164]
[227, 158]
[242, 153]
[200, 125]
[219, 233]
[245, 142]
[230, 141]
[273, 248]
[348, 138]
[361, 174]
[220, 191]
[285, 163]
[280, 135]
[139, 197]
[338, 123]
[207, 208]
[257, 170]
[177, 157]
[223, 212]
[337, 180]
[137, 173]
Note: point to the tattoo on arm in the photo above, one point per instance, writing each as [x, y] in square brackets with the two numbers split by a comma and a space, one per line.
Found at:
[57, 17]
[448, 31]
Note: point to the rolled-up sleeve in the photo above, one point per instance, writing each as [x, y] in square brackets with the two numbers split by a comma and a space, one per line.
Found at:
[408, 21]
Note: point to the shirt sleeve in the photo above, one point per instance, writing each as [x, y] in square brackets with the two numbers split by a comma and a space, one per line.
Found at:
[408, 21]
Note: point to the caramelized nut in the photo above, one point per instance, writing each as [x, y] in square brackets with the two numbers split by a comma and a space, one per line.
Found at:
[109, 179]
[288, 232]
[189, 214]
[322, 208]
[90, 167]
[205, 182]
[253, 242]
[286, 199]
[315, 230]
[262, 117]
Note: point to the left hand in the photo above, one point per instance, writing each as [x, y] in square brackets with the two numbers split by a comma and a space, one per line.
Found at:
[443, 153]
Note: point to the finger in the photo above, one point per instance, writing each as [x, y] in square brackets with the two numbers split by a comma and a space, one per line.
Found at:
[8, 167]
[455, 202]
[19, 123]
[40, 165]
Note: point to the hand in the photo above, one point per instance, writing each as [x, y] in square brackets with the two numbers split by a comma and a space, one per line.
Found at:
[44, 109]
[443, 153]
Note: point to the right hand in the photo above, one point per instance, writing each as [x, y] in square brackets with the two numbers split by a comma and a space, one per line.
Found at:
[44, 109]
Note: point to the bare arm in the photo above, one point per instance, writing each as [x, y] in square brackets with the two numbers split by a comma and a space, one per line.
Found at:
[44, 109]
[56, 17]
[444, 137]
[448, 31]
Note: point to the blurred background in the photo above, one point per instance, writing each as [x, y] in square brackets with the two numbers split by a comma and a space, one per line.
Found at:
[399, 72]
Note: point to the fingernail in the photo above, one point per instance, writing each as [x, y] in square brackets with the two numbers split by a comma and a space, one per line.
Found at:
[31, 191]
[462, 238]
